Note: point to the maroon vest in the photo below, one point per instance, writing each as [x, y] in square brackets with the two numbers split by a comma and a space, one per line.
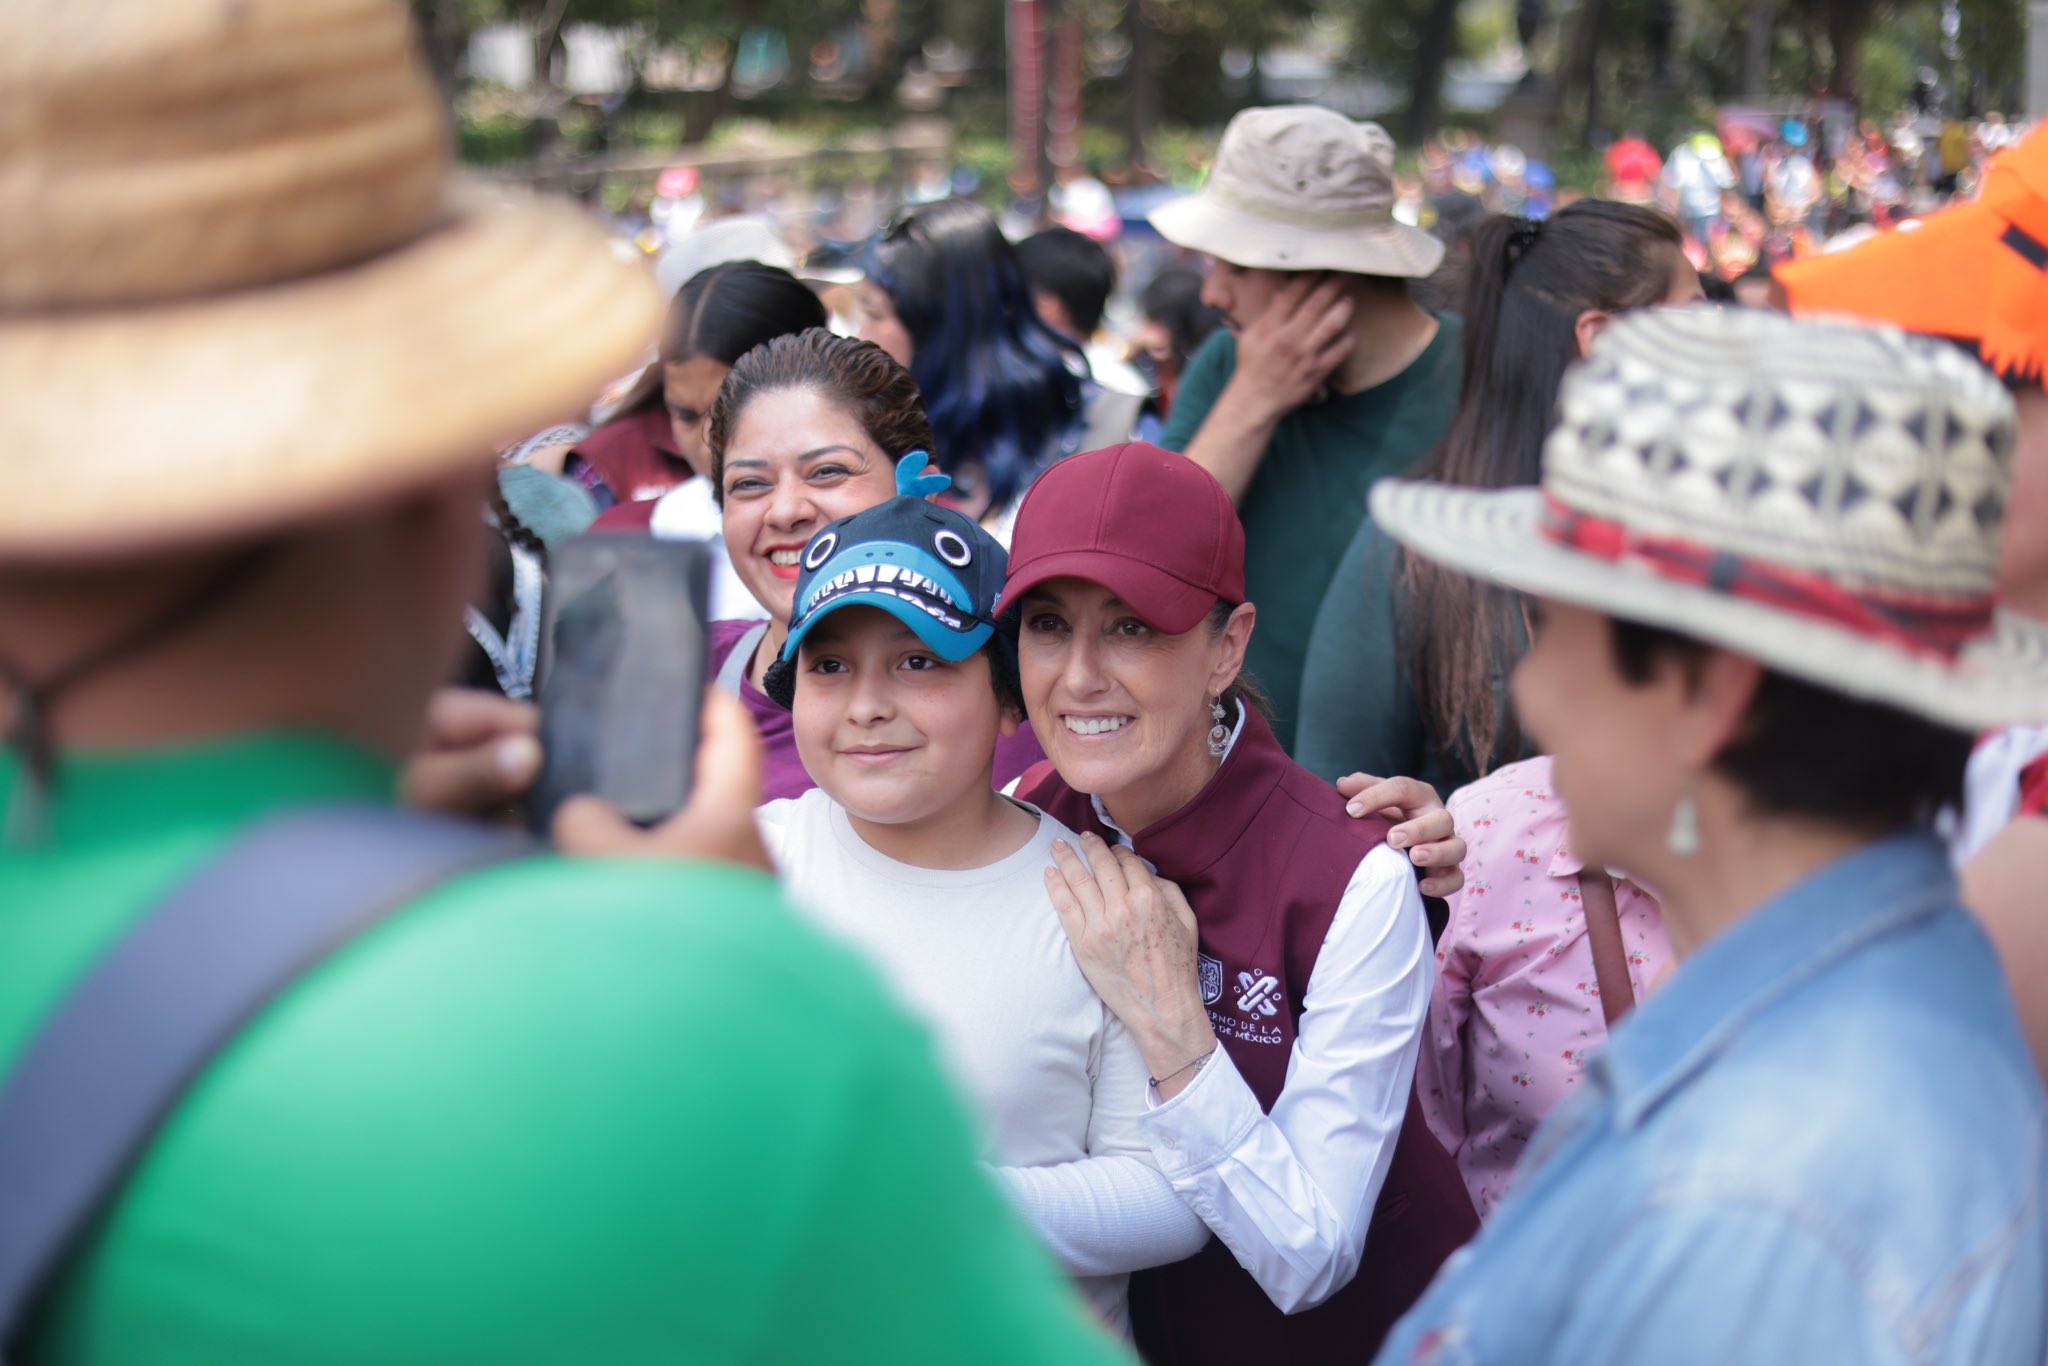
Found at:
[1264, 853]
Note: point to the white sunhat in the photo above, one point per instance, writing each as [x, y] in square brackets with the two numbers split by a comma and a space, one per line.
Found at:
[1824, 498]
[1299, 187]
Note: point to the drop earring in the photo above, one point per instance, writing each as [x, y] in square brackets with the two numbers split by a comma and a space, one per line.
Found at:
[1219, 734]
[1684, 839]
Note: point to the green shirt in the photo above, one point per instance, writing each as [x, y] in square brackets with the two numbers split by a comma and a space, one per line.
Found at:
[1359, 709]
[556, 1111]
[1359, 712]
[1308, 496]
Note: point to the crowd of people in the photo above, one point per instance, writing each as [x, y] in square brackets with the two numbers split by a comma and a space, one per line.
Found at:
[1473, 804]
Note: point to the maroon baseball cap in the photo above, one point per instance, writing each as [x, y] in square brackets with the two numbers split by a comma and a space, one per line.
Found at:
[1152, 527]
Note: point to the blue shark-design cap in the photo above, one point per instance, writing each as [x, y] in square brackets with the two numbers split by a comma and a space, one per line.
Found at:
[931, 568]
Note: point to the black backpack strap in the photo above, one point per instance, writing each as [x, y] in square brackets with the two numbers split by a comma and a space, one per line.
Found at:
[113, 1058]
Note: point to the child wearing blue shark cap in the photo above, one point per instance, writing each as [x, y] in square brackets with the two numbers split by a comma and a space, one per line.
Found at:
[901, 679]
[932, 568]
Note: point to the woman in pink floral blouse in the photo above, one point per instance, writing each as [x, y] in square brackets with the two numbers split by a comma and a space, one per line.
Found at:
[1516, 1010]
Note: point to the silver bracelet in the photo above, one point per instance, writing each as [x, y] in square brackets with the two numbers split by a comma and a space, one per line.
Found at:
[1198, 1064]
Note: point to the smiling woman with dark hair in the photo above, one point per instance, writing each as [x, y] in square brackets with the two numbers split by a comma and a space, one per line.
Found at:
[1265, 947]
[807, 429]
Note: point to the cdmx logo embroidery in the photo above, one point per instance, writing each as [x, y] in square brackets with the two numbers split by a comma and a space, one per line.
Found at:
[1211, 970]
[1261, 994]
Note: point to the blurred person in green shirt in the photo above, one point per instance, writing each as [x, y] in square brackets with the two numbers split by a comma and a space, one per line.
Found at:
[560, 1109]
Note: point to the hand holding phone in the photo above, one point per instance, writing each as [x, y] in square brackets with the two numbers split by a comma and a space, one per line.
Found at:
[718, 822]
[621, 674]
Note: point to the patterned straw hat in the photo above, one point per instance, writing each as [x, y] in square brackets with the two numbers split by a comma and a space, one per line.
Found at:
[1824, 498]
[1298, 187]
[239, 289]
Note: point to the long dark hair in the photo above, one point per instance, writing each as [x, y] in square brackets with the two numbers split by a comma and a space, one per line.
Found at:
[1002, 388]
[727, 310]
[859, 376]
[1527, 286]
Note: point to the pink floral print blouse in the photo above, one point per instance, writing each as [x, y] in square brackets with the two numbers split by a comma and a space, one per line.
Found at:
[1516, 1010]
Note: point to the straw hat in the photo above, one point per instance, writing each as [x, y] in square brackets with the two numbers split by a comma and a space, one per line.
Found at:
[1824, 498]
[237, 288]
[1977, 272]
[1299, 187]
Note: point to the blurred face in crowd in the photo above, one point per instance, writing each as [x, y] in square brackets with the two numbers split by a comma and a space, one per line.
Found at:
[689, 387]
[1121, 708]
[795, 460]
[1241, 294]
[879, 323]
[892, 732]
[1614, 764]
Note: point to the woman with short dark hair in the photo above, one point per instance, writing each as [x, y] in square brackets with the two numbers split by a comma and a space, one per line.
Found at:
[1763, 559]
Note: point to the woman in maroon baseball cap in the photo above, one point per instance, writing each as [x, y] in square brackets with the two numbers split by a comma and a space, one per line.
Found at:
[1275, 971]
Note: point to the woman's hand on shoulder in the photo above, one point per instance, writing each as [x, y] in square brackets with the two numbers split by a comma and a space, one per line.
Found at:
[1133, 933]
[1424, 827]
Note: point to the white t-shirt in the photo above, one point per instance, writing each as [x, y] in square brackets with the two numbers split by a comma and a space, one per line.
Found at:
[688, 512]
[1050, 1075]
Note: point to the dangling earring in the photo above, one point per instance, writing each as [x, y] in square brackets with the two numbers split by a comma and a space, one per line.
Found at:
[1219, 734]
[1684, 839]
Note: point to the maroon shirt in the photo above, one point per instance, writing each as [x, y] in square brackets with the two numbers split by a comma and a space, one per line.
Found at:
[634, 454]
[782, 772]
[1263, 854]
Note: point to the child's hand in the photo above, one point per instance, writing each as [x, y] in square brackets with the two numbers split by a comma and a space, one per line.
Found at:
[1426, 830]
[716, 823]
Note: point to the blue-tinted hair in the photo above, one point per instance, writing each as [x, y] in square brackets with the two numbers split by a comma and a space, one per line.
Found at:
[1003, 389]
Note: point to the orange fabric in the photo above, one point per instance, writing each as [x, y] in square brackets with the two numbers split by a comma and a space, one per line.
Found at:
[1954, 275]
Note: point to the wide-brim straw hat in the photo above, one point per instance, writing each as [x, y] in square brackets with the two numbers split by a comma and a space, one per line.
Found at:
[239, 290]
[1300, 187]
[1975, 272]
[1824, 498]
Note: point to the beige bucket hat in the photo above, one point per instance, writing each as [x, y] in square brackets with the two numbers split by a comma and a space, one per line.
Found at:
[238, 287]
[1822, 497]
[1300, 187]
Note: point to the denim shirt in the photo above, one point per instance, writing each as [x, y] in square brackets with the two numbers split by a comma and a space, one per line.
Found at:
[1821, 1142]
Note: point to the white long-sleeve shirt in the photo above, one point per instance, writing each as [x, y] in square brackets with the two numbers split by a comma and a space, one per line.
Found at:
[1052, 1076]
[1291, 1193]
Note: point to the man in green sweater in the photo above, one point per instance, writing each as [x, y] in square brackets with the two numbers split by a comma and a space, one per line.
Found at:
[1328, 377]
[558, 1110]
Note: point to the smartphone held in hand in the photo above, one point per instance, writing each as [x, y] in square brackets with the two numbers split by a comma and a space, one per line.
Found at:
[621, 673]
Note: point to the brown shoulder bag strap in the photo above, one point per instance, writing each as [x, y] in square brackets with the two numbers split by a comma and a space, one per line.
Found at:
[1603, 932]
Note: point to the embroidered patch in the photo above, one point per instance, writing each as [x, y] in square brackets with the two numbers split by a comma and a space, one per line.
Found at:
[1261, 994]
[1211, 970]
